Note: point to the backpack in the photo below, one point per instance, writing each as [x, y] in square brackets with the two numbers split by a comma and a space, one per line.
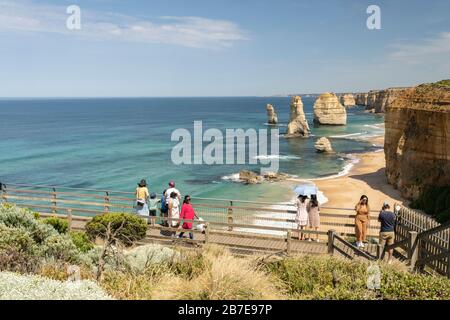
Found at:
[163, 203]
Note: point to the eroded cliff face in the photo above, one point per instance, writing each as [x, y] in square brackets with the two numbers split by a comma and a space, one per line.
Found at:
[348, 100]
[329, 111]
[361, 99]
[298, 126]
[384, 98]
[378, 100]
[417, 139]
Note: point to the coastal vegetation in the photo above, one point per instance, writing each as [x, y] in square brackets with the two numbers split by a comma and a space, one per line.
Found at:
[435, 201]
[36, 260]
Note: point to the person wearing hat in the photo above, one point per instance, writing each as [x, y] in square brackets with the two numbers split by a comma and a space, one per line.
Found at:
[142, 197]
[153, 207]
[170, 190]
[387, 220]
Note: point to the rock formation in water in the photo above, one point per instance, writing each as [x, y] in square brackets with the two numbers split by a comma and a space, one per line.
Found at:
[417, 139]
[348, 100]
[298, 126]
[328, 110]
[250, 177]
[323, 145]
[271, 114]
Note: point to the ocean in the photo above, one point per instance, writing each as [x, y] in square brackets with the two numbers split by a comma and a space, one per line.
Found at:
[112, 143]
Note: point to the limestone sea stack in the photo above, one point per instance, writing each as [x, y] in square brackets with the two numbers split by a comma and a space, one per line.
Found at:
[323, 145]
[417, 139]
[348, 100]
[271, 114]
[328, 110]
[298, 126]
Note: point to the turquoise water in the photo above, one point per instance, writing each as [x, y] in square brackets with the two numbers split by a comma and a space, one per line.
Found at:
[113, 143]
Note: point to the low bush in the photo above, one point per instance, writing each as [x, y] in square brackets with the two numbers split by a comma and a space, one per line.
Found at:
[60, 247]
[31, 287]
[81, 241]
[60, 225]
[127, 228]
[26, 242]
[324, 277]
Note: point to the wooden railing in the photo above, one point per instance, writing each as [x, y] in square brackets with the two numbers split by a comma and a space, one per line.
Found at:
[422, 241]
[419, 238]
[239, 215]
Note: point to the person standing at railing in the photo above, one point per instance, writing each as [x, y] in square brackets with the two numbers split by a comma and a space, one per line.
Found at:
[153, 207]
[313, 215]
[362, 219]
[142, 197]
[302, 215]
[387, 220]
[187, 213]
[174, 212]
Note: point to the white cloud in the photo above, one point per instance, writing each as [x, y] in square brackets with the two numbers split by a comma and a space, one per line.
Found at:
[424, 51]
[197, 32]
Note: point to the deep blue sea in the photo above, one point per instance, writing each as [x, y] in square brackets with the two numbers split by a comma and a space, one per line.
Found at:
[112, 143]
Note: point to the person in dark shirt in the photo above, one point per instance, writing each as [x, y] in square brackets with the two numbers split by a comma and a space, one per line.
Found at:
[387, 230]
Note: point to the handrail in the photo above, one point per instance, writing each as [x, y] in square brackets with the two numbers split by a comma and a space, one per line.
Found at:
[193, 197]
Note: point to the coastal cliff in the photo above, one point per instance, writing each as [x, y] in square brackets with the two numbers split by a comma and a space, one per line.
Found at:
[377, 100]
[361, 99]
[298, 126]
[348, 100]
[417, 139]
[329, 111]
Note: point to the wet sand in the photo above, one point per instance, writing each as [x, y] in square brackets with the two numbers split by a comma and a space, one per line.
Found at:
[366, 177]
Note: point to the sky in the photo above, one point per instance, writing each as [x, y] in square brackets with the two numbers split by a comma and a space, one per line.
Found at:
[131, 48]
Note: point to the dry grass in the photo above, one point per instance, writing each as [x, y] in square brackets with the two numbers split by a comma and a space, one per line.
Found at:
[213, 274]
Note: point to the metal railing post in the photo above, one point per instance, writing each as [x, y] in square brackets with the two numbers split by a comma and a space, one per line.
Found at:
[331, 234]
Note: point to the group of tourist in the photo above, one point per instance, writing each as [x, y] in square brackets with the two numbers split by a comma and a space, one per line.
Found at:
[308, 215]
[387, 220]
[173, 213]
[179, 215]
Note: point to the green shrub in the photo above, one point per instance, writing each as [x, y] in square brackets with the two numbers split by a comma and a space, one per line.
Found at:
[128, 228]
[60, 247]
[406, 286]
[17, 250]
[58, 224]
[325, 277]
[15, 237]
[15, 217]
[81, 241]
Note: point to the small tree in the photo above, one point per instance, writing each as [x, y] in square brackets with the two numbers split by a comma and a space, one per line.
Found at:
[126, 228]
[115, 229]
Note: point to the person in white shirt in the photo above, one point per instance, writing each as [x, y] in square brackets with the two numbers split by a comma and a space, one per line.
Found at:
[170, 190]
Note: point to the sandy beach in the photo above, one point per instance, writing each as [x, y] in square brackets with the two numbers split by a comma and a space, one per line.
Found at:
[366, 177]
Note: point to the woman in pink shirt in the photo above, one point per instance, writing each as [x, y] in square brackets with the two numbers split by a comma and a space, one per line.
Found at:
[187, 213]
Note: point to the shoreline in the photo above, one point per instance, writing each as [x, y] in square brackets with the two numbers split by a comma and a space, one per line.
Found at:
[367, 176]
